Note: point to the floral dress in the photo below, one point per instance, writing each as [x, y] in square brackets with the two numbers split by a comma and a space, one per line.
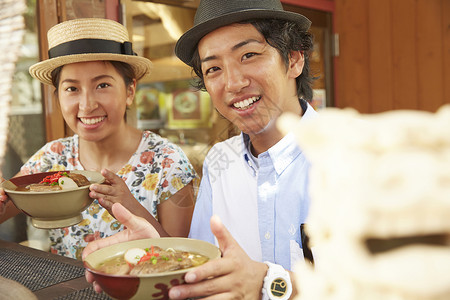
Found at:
[156, 171]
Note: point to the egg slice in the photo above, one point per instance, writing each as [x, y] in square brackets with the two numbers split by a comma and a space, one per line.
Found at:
[133, 255]
[66, 183]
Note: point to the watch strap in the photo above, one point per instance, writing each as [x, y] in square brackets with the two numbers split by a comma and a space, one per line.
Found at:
[277, 283]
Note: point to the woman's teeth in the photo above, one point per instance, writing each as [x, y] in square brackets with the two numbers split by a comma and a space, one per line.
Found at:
[244, 104]
[92, 121]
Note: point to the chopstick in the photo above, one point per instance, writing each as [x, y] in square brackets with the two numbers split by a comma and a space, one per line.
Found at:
[307, 253]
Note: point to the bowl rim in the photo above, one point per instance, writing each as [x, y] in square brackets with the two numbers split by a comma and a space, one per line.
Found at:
[11, 191]
[91, 269]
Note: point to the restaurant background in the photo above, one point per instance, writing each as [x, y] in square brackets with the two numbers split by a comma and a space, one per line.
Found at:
[373, 55]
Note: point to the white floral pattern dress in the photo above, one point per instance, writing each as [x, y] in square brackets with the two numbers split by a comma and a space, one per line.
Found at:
[156, 171]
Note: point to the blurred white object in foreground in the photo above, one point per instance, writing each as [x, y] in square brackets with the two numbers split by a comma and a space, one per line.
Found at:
[380, 214]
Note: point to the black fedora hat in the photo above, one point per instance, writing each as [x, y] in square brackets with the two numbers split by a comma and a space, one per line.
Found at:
[213, 14]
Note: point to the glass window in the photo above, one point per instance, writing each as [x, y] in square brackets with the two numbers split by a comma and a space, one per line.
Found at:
[26, 132]
[26, 129]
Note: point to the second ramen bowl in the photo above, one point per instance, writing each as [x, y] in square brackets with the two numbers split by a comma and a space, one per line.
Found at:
[149, 286]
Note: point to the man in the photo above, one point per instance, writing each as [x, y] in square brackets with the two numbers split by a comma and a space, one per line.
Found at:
[252, 57]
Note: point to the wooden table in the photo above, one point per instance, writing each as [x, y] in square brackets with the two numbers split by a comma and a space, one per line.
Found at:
[68, 274]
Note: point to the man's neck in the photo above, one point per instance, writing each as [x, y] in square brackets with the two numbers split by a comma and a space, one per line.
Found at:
[264, 140]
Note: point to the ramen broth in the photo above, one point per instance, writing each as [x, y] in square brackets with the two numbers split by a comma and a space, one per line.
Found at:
[156, 260]
[56, 182]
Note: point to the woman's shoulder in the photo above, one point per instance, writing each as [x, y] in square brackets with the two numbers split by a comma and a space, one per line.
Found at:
[61, 145]
[54, 155]
[155, 142]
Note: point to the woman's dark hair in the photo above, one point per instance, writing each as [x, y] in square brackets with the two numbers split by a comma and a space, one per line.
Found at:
[124, 69]
[285, 36]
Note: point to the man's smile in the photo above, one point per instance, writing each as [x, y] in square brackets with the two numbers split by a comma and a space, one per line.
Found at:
[246, 103]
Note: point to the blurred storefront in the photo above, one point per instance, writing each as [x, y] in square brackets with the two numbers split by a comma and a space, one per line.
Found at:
[369, 55]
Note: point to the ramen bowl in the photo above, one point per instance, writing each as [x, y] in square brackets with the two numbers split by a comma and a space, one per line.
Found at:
[148, 286]
[51, 209]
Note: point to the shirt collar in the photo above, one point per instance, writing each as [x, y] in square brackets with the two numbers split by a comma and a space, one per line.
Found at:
[282, 153]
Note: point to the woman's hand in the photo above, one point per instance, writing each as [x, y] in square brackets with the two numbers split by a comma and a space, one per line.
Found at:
[234, 276]
[114, 191]
[3, 201]
[136, 228]
[7, 207]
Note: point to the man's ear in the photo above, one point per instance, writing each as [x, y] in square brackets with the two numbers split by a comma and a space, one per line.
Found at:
[296, 63]
[131, 92]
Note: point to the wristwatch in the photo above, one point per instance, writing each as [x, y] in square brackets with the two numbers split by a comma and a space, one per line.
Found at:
[277, 283]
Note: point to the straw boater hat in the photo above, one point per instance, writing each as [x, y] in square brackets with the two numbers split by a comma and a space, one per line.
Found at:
[213, 14]
[91, 39]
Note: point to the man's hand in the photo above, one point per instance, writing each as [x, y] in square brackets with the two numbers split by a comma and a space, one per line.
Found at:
[234, 276]
[136, 228]
[116, 191]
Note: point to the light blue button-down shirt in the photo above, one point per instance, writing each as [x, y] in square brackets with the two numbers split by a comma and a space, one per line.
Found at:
[262, 204]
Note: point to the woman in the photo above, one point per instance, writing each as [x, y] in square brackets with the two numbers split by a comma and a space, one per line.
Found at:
[94, 71]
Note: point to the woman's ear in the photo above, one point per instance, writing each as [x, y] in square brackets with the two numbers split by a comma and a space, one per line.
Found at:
[296, 63]
[131, 92]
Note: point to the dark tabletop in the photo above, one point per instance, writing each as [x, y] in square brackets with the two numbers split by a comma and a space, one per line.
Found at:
[47, 275]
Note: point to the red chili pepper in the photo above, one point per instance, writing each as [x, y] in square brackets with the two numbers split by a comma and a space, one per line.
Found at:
[53, 179]
[149, 255]
[145, 258]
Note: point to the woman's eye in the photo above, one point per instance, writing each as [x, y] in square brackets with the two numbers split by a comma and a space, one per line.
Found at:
[103, 85]
[71, 89]
[211, 70]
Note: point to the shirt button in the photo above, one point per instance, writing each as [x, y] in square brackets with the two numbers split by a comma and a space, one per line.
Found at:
[292, 229]
[267, 235]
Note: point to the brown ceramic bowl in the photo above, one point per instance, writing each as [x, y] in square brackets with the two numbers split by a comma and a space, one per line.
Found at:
[151, 286]
[53, 209]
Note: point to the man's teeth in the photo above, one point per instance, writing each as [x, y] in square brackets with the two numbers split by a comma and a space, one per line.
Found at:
[92, 121]
[246, 103]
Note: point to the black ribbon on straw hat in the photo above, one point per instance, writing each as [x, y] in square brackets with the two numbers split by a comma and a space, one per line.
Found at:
[91, 46]
[88, 39]
[213, 14]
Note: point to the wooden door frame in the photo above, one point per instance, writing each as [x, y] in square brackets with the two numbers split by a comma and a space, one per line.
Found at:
[326, 6]
[48, 13]
[323, 5]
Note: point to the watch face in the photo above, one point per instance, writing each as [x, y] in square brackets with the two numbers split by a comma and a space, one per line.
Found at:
[279, 287]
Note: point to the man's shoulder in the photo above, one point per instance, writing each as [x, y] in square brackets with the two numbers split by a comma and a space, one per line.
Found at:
[234, 142]
[226, 152]
[232, 145]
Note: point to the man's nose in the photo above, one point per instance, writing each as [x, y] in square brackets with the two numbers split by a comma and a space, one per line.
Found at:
[236, 79]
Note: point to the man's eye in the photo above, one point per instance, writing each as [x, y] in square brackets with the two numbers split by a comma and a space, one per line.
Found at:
[248, 55]
[103, 85]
